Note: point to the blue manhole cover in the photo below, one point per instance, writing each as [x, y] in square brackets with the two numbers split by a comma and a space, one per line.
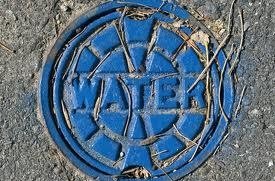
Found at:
[113, 92]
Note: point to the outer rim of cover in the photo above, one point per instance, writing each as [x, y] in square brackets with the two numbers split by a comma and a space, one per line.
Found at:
[44, 88]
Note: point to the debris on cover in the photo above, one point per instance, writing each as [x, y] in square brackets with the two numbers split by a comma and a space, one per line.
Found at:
[238, 109]
[6, 48]
[137, 173]
[197, 36]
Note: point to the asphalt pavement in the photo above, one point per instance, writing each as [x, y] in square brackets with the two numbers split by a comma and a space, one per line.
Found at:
[30, 27]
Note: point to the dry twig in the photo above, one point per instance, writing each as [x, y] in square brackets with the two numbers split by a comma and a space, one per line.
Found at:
[205, 131]
[69, 66]
[174, 158]
[221, 45]
[184, 137]
[208, 99]
[138, 173]
[237, 58]
[240, 102]
[97, 67]
[98, 101]
[182, 47]
[4, 47]
[190, 43]
[221, 82]
[119, 160]
[153, 37]
[127, 90]
[164, 76]
[66, 115]
[208, 84]
[151, 139]
[121, 35]
[157, 154]
[224, 138]
[170, 178]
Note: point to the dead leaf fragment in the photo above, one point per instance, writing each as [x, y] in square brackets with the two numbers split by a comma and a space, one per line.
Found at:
[200, 37]
[178, 24]
[138, 172]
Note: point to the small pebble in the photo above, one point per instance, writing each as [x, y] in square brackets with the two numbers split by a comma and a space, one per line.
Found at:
[64, 8]
[11, 15]
[121, 154]
[57, 170]
[222, 31]
[246, 26]
[255, 112]
[270, 163]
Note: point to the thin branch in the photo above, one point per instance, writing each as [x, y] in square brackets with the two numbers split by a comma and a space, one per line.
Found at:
[181, 47]
[4, 47]
[192, 44]
[77, 35]
[198, 145]
[66, 115]
[224, 138]
[97, 67]
[184, 137]
[174, 158]
[161, 6]
[98, 101]
[73, 64]
[151, 139]
[121, 35]
[221, 45]
[240, 102]
[122, 17]
[153, 37]
[119, 160]
[237, 58]
[157, 154]
[170, 178]
[127, 90]
[69, 66]
[164, 76]
[56, 29]
[208, 88]
[208, 94]
[221, 82]
[206, 129]
[229, 25]
[157, 78]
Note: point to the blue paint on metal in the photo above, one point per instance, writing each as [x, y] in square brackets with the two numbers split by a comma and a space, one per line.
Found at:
[187, 66]
[165, 144]
[104, 94]
[163, 36]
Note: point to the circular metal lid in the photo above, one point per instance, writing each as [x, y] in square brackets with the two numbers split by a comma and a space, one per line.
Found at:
[114, 92]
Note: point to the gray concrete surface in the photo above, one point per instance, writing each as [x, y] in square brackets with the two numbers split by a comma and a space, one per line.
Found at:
[30, 27]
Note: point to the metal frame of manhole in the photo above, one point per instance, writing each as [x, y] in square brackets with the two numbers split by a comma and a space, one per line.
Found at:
[136, 41]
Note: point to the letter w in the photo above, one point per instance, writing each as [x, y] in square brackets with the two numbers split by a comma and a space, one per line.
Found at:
[84, 93]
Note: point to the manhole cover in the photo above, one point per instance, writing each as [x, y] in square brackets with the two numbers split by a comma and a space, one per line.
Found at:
[113, 92]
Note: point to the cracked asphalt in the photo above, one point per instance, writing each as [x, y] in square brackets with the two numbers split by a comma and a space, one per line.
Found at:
[30, 27]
